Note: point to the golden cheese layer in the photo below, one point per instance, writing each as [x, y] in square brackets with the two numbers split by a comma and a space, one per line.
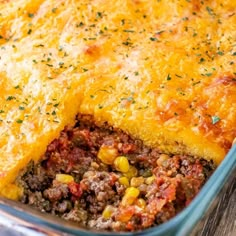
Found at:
[164, 71]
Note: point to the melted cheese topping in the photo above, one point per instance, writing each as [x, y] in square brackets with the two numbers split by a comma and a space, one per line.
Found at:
[164, 71]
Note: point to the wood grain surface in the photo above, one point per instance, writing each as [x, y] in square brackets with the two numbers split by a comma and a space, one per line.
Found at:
[222, 220]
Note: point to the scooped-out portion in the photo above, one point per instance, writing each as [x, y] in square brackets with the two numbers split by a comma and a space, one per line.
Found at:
[102, 178]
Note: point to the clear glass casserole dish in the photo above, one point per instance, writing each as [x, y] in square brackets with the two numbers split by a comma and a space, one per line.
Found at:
[28, 221]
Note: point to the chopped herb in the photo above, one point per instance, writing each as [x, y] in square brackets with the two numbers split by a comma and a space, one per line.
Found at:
[208, 74]
[99, 15]
[185, 18]
[91, 96]
[234, 54]
[160, 32]
[9, 98]
[17, 87]
[39, 45]
[127, 43]
[50, 65]
[56, 105]
[61, 64]
[34, 61]
[136, 73]
[215, 119]
[153, 39]
[179, 76]
[100, 106]
[202, 60]
[220, 53]
[210, 11]
[19, 121]
[30, 15]
[195, 83]
[129, 31]
[29, 31]
[1, 111]
[168, 77]
[54, 113]
[80, 24]
[54, 10]
[84, 69]
[21, 108]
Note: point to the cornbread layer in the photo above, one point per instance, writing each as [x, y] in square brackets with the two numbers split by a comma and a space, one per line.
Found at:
[163, 71]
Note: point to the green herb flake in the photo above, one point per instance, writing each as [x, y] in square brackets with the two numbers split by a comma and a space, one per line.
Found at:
[210, 11]
[129, 31]
[99, 15]
[54, 10]
[19, 121]
[215, 119]
[168, 77]
[220, 53]
[153, 39]
[1, 111]
[208, 74]
[9, 98]
[29, 31]
[21, 108]
[30, 15]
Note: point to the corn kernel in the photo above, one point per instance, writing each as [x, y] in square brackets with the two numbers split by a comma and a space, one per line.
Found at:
[63, 178]
[136, 181]
[107, 212]
[132, 172]
[121, 164]
[141, 203]
[107, 154]
[162, 159]
[124, 181]
[150, 180]
[130, 196]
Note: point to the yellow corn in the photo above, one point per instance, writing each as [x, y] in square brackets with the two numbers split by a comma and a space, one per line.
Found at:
[107, 212]
[132, 172]
[150, 180]
[136, 181]
[130, 196]
[141, 203]
[63, 178]
[107, 154]
[121, 164]
[124, 180]
[162, 159]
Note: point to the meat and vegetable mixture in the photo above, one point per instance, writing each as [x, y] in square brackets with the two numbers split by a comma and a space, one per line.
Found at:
[102, 178]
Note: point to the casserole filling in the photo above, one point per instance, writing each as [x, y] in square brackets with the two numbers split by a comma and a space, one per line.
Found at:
[102, 178]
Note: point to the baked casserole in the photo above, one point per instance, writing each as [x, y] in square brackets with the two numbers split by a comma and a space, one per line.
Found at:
[162, 72]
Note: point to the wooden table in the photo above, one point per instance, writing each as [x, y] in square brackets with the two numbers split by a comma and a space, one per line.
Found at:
[222, 220]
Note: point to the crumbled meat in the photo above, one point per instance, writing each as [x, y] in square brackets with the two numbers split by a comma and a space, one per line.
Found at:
[75, 182]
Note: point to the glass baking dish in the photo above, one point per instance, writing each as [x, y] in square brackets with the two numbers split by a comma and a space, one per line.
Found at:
[28, 221]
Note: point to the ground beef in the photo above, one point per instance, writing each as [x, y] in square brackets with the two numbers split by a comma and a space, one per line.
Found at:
[75, 181]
